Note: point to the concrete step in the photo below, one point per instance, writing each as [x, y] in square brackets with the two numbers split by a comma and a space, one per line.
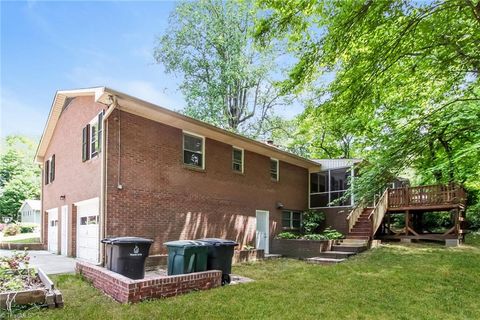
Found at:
[336, 254]
[272, 256]
[319, 260]
[349, 248]
[353, 241]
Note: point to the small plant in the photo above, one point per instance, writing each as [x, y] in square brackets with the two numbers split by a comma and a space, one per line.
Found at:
[288, 235]
[312, 220]
[11, 229]
[248, 247]
[27, 228]
[332, 234]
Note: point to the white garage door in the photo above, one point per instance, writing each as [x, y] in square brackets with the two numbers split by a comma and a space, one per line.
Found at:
[53, 230]
[88, 230]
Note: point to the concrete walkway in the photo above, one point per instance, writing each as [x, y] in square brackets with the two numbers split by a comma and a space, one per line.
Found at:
[48, 262]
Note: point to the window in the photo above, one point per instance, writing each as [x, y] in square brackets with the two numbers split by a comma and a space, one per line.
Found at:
[291, 219]
[237, 159]
[274, 169]
[328, 188]
[49, 170]
[92, 138]
[193, 150]
[89, 220]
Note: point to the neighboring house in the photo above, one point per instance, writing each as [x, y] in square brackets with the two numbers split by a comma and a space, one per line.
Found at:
[114, 165]
[30, 211]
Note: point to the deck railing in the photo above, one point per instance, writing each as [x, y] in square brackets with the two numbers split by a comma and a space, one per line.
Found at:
[425, 196]
[381, 207]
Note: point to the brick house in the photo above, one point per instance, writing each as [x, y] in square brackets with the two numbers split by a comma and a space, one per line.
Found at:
[115, 165]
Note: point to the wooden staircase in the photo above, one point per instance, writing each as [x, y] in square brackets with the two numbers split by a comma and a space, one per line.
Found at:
[362, 229]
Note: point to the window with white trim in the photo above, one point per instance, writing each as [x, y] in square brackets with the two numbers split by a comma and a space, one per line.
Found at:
[193, 150]
[274, 170]
[291, 219]
[329, 188]
[237, 159]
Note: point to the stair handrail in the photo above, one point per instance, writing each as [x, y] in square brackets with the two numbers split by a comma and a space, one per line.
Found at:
[355, 214]
[378, 212]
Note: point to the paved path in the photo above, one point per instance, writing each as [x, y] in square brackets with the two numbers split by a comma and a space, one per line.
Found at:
[48, 262]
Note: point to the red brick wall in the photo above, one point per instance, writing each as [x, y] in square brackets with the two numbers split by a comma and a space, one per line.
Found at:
[336, 218]
[75, 179]
[126, 290]
[163, 200]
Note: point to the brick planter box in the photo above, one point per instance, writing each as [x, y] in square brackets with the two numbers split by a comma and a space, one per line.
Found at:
[125, 290]
[240, 256]
[302, 249]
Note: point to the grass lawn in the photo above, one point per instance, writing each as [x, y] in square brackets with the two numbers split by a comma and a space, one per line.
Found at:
[392, 282]
[26, 240]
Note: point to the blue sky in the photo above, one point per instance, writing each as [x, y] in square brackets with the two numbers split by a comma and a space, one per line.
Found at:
[48, 46]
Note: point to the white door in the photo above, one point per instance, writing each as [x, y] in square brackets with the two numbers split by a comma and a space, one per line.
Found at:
[262, 233]
[64, 230]
[88, 230]
[53, 230]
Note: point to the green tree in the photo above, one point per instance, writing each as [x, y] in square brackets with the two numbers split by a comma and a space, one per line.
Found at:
[226, 80]
[19, 175]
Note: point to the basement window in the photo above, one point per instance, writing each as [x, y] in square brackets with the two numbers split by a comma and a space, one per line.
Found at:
[291, 219]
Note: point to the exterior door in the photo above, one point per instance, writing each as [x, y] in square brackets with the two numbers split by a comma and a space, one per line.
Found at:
[88, 231]
[53, 230]
[262, 232]
[64, 249]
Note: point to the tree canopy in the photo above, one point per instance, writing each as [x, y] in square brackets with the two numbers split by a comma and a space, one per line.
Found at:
[19, 175]
[226, 79]
[405, 81]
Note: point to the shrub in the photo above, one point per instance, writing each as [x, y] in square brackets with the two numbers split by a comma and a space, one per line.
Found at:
[332, 234]
[11, 229]
[27, 228]
[312, 220]
[288, 235]
[315, 236]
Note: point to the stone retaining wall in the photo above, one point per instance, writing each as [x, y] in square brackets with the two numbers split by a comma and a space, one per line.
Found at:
[125, 290]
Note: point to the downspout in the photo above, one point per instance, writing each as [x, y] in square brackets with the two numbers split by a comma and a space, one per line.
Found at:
[103, 174]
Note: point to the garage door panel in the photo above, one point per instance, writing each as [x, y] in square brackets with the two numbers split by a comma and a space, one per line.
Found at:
[88, 231]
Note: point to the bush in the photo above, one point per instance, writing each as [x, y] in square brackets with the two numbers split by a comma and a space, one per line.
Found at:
[312, 220]
[27, 228]
[11, 229]
[332, 234]
[288, 235]
[315, 236]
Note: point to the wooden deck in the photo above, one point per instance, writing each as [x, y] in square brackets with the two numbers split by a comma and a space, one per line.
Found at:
[426, 198]
[412, 202]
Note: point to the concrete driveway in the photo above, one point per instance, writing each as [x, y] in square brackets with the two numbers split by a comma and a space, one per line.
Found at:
[50, 263]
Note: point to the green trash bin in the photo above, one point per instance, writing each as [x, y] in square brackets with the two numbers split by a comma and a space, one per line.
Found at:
[186, 256]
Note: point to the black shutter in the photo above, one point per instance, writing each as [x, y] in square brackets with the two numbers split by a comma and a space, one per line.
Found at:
[52, 169]
[47, 171]
[100, 131]
[85, 143]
